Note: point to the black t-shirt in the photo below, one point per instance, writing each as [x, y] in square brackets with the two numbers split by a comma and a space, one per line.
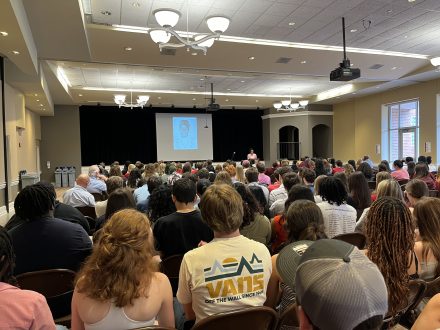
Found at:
[49, 243]
[179, 233]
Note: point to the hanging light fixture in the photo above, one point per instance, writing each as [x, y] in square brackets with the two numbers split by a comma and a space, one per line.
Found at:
[287, 105]
[168, 18]
[141, 101]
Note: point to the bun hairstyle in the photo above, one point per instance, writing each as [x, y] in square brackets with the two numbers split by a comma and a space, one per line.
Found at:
[121, 266]
[304, 221]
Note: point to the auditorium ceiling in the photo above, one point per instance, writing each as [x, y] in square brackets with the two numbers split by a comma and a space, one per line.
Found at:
[75, 52]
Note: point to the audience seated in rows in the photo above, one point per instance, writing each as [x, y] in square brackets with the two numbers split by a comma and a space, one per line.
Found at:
[20, 309]
[399, 172]
[42, 241]
[97, 181]
[280, 192]
[119, 286]
[289, 180]
[120, 199]
[204, 286]
[381, 176]
[184, 228]
[252, 179]
[113, 183]
[415, 190]
[78, 196]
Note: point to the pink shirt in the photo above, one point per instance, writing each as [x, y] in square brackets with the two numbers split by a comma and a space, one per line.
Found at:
[400, 175]
[263, 178]
[23, 309]
[252, 156]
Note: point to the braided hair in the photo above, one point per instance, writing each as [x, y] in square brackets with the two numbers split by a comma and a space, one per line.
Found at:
[34, 201]
[390, 235]
[7, 258]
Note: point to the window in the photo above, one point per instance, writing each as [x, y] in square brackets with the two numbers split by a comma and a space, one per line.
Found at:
[403, 129]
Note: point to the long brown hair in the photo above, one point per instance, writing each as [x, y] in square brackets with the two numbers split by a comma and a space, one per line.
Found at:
[427, 215]
[121, 266]
[390, 235]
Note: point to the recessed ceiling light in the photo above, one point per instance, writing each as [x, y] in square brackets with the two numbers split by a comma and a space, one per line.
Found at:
[303, 62]
[128, 49]
[389, 11]
[38, 100]
[405, 36]
[256, 101]
[44, 108]
[242, 81]
[227, 100]
[411, 0]
[41, 105]
[159, 97]
[353, 30]
[35, 94]
[136, 4]
[106, 12]
[353, 93]
[194, 53]
[3, 33]
[201, 79]
[291, 23]
[351, 64]
[251, 58]
[15, 52]
[377, 86]
[194, 98]
[228, 89]
[394, 68]
[80, 95]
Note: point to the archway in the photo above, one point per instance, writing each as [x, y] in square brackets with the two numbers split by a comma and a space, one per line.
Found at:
[288, 146]
[321, 141]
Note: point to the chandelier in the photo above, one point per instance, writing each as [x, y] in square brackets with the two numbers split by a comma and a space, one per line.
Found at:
[168, 18]
[287, 105]
[141, 101]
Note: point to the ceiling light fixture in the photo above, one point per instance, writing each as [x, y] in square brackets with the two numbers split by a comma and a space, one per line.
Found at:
[435, 61]
[141, 101]
[15, 52]
[251, 58]
[353, 30]
[168, 18]
[106, 12]
[291, 23]
[128, 49]
[303, 62]
[3, 33]
[287, 105]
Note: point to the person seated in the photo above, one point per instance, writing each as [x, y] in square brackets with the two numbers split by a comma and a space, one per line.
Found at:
[316, 186]
[184, 229]
[422, 173]
[279, 232]
[231, 170]
[280, 192]
[78, 196]
[308, 178]
[336, 287]
[289, 180]
[399, 172]
[381, 176]
[61, 211]
[431, 166]
[97, 181]
[252, 179]
[141, 194]
[160, 203]
[429, 319]
[255, 225]
[304, 222]
[366, 170]
[339, 217]
[262, 177]
[414, 191]
[359, 195]
[231, 271]
[119, 286]
[338, 167]
[44, 242]
[113, 183]
[20, 309]
[366, 159]
[120, 199]
[223, 177]
[252, 157]
[133, 179]
[389, 230]
[427, 249]
[271, 170]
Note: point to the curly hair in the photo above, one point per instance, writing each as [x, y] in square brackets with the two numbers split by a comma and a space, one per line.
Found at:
[121, 265]
[34, 201]
[333, 191]
[160, 203]
[390, 235]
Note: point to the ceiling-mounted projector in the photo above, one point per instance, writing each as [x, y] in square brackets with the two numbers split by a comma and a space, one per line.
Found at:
[212, 106]
[345, 72]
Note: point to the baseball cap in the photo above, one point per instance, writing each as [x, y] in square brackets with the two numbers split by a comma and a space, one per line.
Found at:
[337, 285]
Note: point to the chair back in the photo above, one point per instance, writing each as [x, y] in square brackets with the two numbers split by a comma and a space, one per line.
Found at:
[255, 318]
[56, 285]
[88, 211]
[170, 266]
[417, 289]
[432, 287]
[288, 318]
[98, 197]
[356, 239]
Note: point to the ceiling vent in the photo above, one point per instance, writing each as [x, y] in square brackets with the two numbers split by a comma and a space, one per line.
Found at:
[375, 66]
[168, 51]
[283, 60]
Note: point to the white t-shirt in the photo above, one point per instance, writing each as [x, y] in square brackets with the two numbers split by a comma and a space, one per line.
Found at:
[338, 219]
[224, 275]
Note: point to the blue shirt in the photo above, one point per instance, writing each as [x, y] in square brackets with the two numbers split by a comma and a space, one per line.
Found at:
[140, 196]
[96, 186]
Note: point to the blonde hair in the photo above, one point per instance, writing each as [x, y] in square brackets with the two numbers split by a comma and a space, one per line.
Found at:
[389, 188]
[223, 177]
[121, 265]
[222, 208]
[240, 174]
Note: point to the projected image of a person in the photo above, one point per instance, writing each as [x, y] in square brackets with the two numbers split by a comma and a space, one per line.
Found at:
[185, 134]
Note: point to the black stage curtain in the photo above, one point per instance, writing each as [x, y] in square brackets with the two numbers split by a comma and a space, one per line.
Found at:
[110, 133]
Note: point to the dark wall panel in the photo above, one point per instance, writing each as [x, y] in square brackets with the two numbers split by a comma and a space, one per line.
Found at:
[110, 133]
